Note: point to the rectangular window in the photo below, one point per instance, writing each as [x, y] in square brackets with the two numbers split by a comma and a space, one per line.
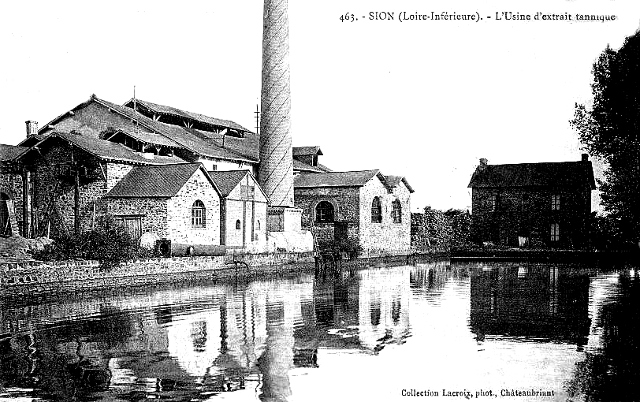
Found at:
[493, 202]
[197, 217]
[132, 224]
[555, 202]
[555, 232]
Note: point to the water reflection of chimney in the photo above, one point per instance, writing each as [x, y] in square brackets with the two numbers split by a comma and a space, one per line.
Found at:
[277, 358]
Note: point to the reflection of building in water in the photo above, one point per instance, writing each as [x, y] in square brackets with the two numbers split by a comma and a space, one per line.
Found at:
[531, 301]
[182, 342]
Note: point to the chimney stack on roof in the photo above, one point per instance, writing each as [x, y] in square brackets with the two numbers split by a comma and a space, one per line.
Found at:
[32, 127]
[483, 163]
[585, 157]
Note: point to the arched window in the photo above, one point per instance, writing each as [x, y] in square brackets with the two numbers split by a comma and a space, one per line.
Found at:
[257, 225]
[396, 212]
[324, 212]
[376, 210]
[238, 224]
[198, 215]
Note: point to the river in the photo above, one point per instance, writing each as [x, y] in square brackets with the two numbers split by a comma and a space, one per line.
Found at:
[436, 331]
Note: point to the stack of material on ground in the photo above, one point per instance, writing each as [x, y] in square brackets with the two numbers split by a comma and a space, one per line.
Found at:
[18, 248]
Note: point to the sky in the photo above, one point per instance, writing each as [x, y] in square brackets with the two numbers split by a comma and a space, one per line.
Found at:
[420, 99]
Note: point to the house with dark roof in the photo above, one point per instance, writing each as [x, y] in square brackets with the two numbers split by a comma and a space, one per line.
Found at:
[69, 175]
[532, 204]
[363, 206]
[179, 203]
[243, 210]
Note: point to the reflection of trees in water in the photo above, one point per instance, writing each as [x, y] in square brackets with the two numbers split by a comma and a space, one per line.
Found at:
[610, 373]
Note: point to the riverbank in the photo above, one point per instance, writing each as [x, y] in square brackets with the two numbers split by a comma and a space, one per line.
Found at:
[545, 255]
[34, 278]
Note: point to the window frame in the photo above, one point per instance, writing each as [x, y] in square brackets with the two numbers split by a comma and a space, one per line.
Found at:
[396, 211]
[324, 215]
[198, 215]
[555, 202]
[376, 210]
[555, 232]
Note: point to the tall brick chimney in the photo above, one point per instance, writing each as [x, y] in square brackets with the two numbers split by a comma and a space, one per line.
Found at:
[275, 174]
[585, 157]
[32, 127]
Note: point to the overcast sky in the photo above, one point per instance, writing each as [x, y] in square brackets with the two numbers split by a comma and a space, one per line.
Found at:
[422, 99]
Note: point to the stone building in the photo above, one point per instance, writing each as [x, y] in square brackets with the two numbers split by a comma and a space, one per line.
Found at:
[243, 211]
[365, 206]
[532, 204]
[176, 202]
[73, 162]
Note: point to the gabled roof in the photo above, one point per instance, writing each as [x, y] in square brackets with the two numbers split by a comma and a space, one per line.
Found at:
[393, 181]
[196, 141]
[109, 151]
[227, 180]
[335, 179]
[545, 174]
[299, 151]
[197, 117]
[155, 181]
[11, 152]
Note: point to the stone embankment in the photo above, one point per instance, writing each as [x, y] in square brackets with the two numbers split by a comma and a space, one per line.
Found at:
[35, 277]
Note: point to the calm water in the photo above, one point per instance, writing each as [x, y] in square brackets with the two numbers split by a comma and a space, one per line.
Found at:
[426, 332]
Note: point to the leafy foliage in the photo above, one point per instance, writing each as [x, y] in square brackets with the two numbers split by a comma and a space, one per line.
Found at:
[610, 130]
[447, 230]
[109, 243]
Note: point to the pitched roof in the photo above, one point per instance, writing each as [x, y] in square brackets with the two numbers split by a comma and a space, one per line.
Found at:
[148, 138]
[393, 181]
[110, 151]
[154, 181]
[227, 180]
[335, 179]
[197, 141]
[548, 174]
[169, 110]
[314, 150]
[10, 152]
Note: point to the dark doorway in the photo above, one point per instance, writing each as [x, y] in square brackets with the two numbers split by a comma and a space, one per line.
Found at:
[5, 221]
[340, 232]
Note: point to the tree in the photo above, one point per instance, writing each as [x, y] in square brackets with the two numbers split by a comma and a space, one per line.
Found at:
[610, 130]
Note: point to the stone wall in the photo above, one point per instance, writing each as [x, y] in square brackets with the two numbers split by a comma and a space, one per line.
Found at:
[53, 187]
[386, 235]
[35, 278]
[152, 212]
[526, 213]
[180, 228]
[345, 201]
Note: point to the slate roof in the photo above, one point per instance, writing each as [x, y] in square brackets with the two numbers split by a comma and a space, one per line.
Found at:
[335, 179]
[110, 151]
[227, 180]
[10, 152]
[169, 110]
[154, 181]
[545, 174]
[200, 142]
[299, 151]
[148, 138]
[393, 181]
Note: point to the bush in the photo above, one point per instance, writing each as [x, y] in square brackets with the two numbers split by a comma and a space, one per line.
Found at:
[109, 243]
